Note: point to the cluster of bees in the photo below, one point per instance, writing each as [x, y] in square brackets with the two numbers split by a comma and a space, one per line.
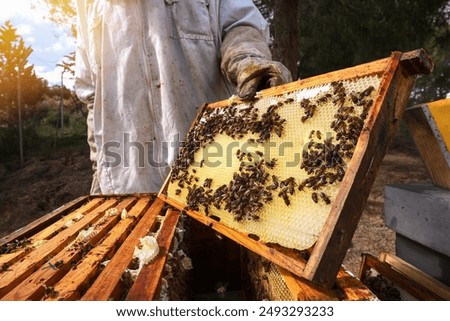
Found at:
[324, 162]
[243, 196]
[323, 159]
[231, 121]
[14, 246]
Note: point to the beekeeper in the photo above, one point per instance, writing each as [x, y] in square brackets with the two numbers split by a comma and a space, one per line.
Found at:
[144, 67]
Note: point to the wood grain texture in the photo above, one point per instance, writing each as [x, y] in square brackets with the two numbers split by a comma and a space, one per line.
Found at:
[48, 231]
[78, 279]
[107, 285]
[411, 271]
[367, 69]
[404, 281]
[30, 263]
[146, 285]
[44, 221]
[33, 287]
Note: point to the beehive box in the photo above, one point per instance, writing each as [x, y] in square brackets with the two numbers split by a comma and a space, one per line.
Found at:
[86, 250]
[95, 248]
[394, 279]
[287, 175]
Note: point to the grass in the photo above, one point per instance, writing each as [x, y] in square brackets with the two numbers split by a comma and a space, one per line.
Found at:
[42, 138]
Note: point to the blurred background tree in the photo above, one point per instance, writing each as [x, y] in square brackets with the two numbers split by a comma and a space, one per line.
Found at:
[20, 91]
[332, 35]
[35, 129]
[313, 37]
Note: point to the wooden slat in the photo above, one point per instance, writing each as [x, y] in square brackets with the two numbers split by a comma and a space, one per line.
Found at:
[107, 285]
[78, 279]
[44, 221]
[287, 259]
[32, 288]
[352, 288]
[368, 69]
[411, 271]
[405, 282]
[22, 269]
[49, 231]
[147, 283]
[337, 233]
[348, 288]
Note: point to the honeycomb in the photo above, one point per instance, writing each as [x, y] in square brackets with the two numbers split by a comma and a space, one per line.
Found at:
[265, 279]
[292, 161]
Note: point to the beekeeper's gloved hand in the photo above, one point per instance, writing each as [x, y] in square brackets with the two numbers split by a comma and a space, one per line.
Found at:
[256, 73]
[247, 62]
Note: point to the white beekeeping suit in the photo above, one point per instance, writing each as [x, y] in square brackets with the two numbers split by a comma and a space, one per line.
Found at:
[145, 66]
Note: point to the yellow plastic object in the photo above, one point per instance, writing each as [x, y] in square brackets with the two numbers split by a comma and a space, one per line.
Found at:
[440, 123]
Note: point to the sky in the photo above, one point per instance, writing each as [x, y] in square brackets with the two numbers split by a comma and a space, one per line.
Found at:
[49, 42]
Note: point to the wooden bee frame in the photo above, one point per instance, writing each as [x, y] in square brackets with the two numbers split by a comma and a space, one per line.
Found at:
[397, 75]
[55, 264]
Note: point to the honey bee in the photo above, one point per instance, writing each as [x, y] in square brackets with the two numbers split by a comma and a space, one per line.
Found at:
[340, 173]
[253, 237]
[177, 191]
[315, 197]
[271, 164]
[207, 183]
[325, 198]
[367, 91]
[286, 199]
[275, 183]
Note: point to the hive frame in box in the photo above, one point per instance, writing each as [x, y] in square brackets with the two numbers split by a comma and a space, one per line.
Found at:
[397, 74]
[414, 283]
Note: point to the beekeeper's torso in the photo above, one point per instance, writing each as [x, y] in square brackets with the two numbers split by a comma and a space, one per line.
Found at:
[150, 64]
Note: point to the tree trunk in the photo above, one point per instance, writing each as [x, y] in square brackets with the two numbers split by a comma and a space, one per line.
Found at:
[285, 33]
[19, 110]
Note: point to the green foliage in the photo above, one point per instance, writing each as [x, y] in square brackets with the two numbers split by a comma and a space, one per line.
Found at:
[62, 12]
[40, 105]
[14, 65]
[339, 34]
[42, 135]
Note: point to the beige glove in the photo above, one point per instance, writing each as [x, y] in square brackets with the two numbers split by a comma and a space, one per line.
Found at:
[247, 62]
